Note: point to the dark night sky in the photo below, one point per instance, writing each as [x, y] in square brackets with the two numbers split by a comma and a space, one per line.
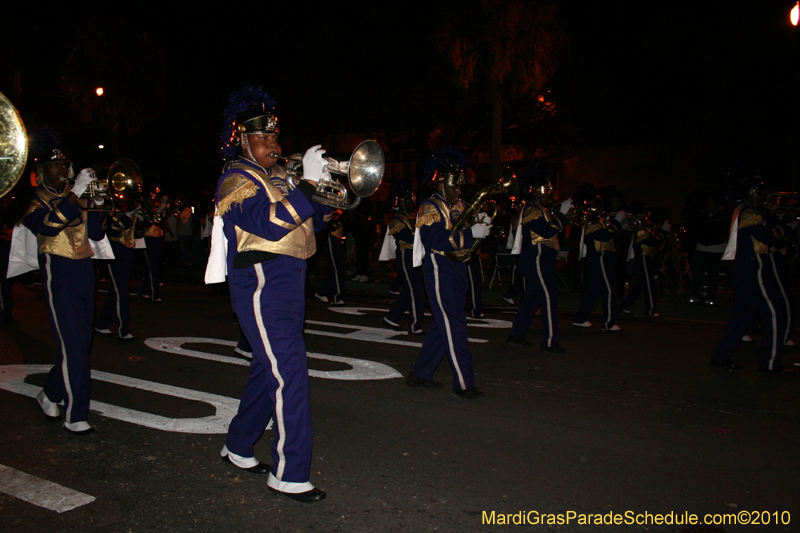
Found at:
[671, 73]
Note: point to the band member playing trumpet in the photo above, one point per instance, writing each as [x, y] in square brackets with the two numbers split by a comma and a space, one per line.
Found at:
[63, 231]
[537, 246]
[269, 231]
[645, 243]
[597, 245]
[445, 279]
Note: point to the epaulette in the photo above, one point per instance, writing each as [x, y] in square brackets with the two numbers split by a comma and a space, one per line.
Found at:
[235, 187]
[750, 217]
[531, 212]
[428, 214]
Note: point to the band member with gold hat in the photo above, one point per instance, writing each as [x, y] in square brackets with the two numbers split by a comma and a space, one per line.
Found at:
[537, 246]
[445, 280]
[63, 231]
[269, 231]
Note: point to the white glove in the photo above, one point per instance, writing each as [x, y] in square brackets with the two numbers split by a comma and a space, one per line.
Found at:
[666, 226]
[565, 206]
[83, 180]
[313, 164]
[619, 217]
[480, 231]
[130, 213]
[484, 218]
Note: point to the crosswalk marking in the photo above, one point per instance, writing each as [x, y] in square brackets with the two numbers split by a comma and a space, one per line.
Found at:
[40, 491]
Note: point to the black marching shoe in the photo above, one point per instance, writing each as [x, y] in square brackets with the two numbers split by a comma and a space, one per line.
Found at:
[516, 340]
[730, 365]
[468, 394]
[416, 381]
[558, 350]
[260, 468]
[779, 371]
[309, 496]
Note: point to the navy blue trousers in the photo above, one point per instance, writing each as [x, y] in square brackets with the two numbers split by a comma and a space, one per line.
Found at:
[645, 283]
[475, 287]
[269, 300]
[334, 255]
[69, 293]
[540, 291]
[411, 298]
[6, 298]
[117, 305]
[602, 282]
[446, 285]
[757, 296]
[153, 258]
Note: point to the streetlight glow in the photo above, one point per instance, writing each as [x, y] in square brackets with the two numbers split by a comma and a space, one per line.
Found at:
[99, 91]
[794, 15]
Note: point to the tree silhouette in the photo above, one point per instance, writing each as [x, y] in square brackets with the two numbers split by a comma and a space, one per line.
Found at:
[502, 49]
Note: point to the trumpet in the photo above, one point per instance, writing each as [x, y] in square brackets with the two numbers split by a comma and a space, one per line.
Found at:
[364, 173]
[123, 187]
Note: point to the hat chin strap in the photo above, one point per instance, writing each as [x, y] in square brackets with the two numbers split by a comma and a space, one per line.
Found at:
[246, 147]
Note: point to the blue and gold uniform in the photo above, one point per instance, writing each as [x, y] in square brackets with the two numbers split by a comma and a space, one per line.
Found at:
[120, 229]
[333, 248]
[401, 228]
[645, 245]
[63, 232]
[537, 262]
[153, 254]
[446, 285]
[757, 288]
[270, 234]
[598, 238]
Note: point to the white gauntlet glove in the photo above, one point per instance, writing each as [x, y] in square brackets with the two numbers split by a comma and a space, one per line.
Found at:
[480, 231]
[313, 164]
[83, 180]
[565, 206]
[667, 227]
[619, 217]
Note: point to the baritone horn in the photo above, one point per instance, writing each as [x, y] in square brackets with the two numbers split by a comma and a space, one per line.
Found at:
[364, 173]
[13, 146]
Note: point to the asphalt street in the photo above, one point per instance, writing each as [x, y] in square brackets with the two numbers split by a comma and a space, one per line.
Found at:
[623, 425]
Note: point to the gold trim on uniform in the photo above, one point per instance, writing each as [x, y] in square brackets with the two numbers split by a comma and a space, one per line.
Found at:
[750, 217]
[299, 242]
[428, 215]
[399, 222]
[607, 246]
[127, 236]
[759, 247]
[535, 211]
[72, 241]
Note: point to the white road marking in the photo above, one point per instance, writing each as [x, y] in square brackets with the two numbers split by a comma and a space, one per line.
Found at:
[40, 491]
[472, 322]
[361, 368]
[12, 379]
[365, 333]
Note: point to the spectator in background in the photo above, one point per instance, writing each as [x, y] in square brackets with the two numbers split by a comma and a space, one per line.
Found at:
[710, 228]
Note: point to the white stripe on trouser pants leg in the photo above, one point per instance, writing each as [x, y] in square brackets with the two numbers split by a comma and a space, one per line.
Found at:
[774, 349]
[450, 348]
[608, 290]
[119, 307]
[649, 289]
[785, 298]
[411, 291]
[64, 365]
[546, 296]
[335, 270]
[278, 415]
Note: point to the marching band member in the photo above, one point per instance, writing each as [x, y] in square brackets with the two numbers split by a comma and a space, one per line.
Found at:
[401, 229]
[445, 280]
[757, 286]
[269, 230]
[537, 245]
[597, 245]
[121, 231]
[645, 244]
[333, 247]
[63, 231]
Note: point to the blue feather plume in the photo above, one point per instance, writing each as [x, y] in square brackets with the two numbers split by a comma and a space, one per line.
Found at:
[446, 156]
[240, 101]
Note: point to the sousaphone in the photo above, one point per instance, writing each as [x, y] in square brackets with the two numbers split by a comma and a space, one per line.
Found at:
[13, 146]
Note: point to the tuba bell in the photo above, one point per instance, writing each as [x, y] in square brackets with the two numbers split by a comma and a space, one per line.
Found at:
[364, 172]
[13, 146]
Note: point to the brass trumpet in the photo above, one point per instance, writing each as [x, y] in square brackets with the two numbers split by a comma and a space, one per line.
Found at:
[364, 172]
[123, 186]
